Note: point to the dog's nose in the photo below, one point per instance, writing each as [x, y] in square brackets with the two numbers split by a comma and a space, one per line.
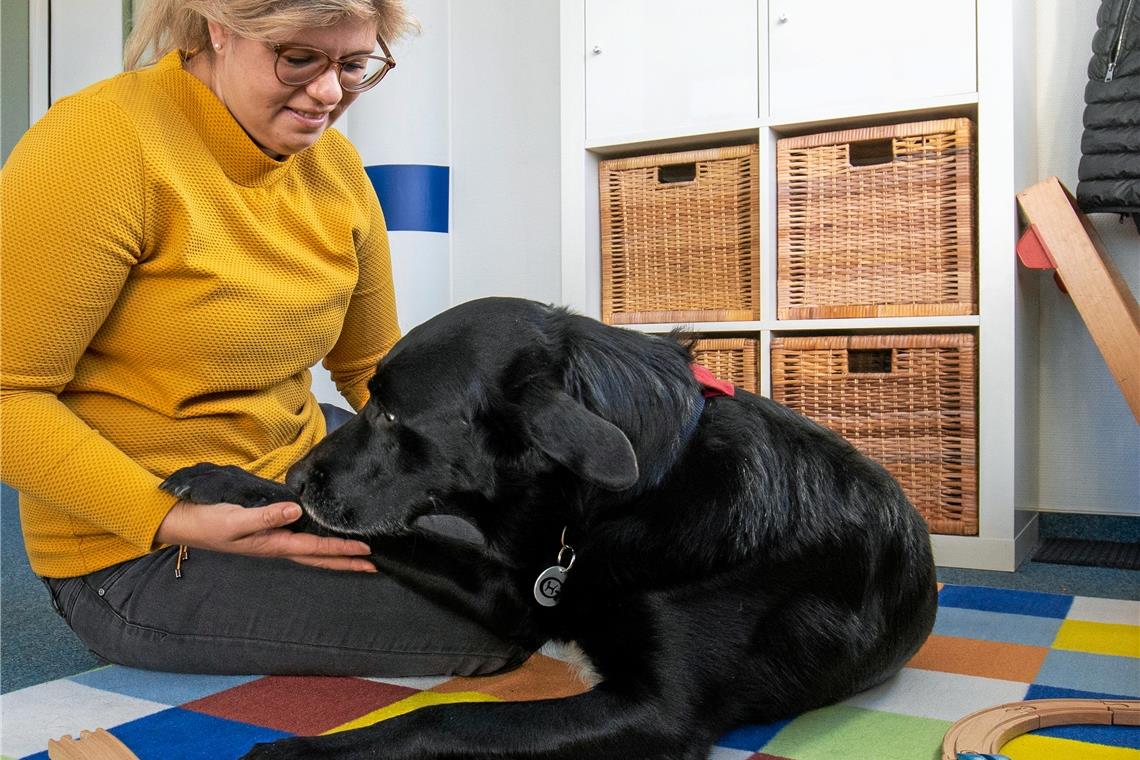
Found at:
[297, 477]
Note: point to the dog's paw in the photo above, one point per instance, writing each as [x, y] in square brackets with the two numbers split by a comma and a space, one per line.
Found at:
[207, 483]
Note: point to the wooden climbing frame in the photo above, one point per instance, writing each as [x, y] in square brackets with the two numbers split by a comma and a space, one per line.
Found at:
[1059, 237]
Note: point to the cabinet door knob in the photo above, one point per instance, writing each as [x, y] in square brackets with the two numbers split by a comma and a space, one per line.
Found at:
[782, 18]
[597, 50]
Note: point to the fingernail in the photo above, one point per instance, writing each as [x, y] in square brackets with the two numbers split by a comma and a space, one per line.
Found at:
[292, 512]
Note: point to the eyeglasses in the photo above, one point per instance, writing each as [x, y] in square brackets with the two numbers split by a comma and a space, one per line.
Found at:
[296, 66]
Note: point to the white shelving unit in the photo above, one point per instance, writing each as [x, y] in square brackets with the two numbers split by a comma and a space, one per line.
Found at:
[971, 59]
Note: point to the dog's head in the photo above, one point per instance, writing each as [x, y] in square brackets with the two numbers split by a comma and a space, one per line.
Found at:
[469, 413]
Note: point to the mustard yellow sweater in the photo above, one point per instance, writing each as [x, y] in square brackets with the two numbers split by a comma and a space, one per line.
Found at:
[165, 288]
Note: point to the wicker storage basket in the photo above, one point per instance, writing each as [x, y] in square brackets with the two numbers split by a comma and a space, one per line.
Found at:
[680, 237]
[732, 359]
[906, 401]
[877, 222]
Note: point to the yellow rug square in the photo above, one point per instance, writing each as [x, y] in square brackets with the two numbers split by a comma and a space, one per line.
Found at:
[1099, 638]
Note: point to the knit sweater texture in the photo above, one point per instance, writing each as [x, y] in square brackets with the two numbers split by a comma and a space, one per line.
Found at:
[166, 287]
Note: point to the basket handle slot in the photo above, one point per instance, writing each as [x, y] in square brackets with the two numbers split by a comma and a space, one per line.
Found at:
[871, 152]
[869, 361]
[676, 173]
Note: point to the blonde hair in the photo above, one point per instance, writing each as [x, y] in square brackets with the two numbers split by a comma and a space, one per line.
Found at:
[165, 25]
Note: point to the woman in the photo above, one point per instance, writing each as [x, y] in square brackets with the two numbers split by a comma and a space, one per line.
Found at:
[180, 244]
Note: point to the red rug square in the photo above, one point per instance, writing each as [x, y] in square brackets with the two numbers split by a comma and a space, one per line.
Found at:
[300, 705]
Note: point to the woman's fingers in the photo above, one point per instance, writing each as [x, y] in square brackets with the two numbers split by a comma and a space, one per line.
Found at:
[270, 516]
[352, 564]
[279, 542]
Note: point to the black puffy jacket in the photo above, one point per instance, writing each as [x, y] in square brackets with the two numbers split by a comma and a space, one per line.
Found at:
[1109, 172]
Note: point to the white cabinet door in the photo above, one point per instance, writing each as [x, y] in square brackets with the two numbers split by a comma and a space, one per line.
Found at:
[863, 56]
[663, 66]
[71, 44]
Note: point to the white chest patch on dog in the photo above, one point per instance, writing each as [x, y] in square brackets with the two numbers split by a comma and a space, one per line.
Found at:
[570, 653]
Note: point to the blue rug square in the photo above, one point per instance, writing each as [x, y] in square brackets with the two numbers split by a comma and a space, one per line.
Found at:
[178, 734]
[1006, 600]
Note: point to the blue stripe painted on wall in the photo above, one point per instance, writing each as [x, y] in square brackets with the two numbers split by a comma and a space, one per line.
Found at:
[414, 196]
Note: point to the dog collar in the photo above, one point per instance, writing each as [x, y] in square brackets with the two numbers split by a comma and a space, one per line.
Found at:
[711, 386]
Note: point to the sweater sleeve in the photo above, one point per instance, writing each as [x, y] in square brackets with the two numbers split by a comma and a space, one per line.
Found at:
[370, 325]
[73, 197]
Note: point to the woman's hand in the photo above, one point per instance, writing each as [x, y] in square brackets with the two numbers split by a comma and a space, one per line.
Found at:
[259, 532]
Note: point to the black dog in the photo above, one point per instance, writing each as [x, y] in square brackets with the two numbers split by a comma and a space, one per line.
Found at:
[720, 560]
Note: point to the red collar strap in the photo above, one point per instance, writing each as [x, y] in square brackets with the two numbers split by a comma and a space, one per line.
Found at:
[711, 385]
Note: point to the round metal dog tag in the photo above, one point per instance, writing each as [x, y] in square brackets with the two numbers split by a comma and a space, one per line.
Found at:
[548, 587]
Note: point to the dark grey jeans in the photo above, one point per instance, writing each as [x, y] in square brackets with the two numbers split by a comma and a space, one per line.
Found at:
[245, 615]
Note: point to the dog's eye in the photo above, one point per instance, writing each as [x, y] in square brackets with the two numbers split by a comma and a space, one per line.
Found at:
[380, 415]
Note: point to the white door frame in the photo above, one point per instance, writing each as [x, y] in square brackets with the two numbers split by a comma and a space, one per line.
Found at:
[39, 76]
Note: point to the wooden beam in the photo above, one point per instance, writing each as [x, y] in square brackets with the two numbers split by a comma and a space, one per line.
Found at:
[1100, 294]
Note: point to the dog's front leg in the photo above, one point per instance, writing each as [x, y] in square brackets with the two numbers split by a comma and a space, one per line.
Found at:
[208, 483]
[595, 725]
[459, 575]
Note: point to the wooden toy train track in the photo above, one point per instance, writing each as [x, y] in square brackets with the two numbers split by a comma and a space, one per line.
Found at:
[987, 730]
[91, 745]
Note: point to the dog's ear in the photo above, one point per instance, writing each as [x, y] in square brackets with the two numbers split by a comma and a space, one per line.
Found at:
[584, 443]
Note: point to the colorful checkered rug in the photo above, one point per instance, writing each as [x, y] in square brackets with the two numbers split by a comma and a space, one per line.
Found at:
[989, 647]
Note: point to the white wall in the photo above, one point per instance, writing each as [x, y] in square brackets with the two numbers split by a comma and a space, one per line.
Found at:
[86, 37]
[478, 91]
[505, 149]
[406, 120]
[1090, 442]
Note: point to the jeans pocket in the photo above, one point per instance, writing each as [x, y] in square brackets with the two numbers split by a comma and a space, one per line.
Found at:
[103, 582]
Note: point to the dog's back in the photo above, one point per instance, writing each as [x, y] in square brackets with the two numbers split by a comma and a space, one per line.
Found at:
[781, 546]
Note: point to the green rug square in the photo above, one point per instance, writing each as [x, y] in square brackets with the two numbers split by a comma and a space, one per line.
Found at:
[839, 730]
